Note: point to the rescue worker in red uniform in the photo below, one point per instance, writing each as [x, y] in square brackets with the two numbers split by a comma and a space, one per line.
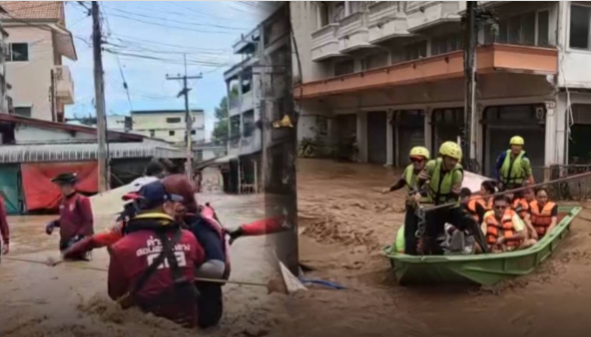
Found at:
[153, 265]
[76, 219]
[4, 229]
[544, 213]
[203, 223]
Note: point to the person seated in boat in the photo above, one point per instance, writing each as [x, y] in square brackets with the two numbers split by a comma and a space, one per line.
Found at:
[544, 213]
[504, 229]
[481, 203]
[457, 241]
[520, 206]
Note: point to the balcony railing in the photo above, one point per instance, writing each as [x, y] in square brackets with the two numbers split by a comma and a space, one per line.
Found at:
[64, 84]
[353, 32]
[325, 43]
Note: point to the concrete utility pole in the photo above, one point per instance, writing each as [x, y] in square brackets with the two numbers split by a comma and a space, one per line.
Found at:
[99, 97]
[470, 115]
[188, 118]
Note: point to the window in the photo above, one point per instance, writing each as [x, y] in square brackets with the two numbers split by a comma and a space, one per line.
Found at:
[152, 133]
[249, 124]
[446, 44]
[374, 61]
[543, 28]
[193, 132]
[580, 17]
[530, 29]
[19, 52]
[416, 51]
[171, 133]
[172, 120]
[23, 111]
[344, 68]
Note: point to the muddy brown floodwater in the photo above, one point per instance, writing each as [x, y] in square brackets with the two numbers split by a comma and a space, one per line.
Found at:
[68, 300]
[344, 220]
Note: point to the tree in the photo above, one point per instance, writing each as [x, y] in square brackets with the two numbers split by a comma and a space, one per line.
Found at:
[219, 135]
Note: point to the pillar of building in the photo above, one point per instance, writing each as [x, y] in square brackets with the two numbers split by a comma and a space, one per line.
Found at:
[555, 135]
[362, 136]
[390, 139]
[429, 130]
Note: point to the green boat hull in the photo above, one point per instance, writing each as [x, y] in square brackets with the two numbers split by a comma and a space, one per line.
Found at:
[483, 269]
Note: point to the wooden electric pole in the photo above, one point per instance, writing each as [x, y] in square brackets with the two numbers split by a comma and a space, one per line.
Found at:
[188, 118]
[99, 97]
[470, 114]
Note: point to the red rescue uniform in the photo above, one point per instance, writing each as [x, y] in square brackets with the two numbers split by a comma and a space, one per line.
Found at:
[541, 218]
[4, 230]
[135, 252]
[75, 218]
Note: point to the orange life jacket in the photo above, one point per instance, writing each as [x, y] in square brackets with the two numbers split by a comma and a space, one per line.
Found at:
[494, 228]
[520, 206]
[478, 200]
[541, 219]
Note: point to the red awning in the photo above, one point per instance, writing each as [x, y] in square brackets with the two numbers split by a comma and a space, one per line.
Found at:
[41, 193]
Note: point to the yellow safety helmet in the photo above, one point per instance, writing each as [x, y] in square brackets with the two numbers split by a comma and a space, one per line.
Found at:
[419, 151]
[451, 149]
[517, 140]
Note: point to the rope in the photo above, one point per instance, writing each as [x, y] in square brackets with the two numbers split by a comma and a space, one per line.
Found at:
[199, 279]
[550, 182]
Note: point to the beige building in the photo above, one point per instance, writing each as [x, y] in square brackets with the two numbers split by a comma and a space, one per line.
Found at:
[38, 40]
[384, 76]
[168, 125]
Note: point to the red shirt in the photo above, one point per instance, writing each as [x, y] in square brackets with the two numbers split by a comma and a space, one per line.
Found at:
[75, 217]
[131, 256]
[4, 230]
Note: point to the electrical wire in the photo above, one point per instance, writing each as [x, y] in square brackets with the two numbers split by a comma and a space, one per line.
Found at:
[169, 26]
[176, 21]
[125, 85]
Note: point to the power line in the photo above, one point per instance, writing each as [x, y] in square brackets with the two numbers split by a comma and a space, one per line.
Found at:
[168, 60]
[139, 41]
[177, 21]
[169, 26]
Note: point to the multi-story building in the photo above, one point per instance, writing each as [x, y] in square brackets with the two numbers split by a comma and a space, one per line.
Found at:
[169, 125]
[37, 41]
[391, 74]
[245, 93]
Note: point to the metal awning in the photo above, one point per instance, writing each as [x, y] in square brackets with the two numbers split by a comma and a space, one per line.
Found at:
[225, 159]
[35, 153]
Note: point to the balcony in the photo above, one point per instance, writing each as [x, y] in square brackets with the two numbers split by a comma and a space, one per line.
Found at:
[325, 43]
[247, 44]
[490, 59]
[427, 14]
[64, 84]
[353, 33]
[234, 105]
[386, 20]
[247, 102]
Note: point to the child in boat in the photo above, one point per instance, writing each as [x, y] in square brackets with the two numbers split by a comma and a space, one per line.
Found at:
[504, 229]
[544, 213]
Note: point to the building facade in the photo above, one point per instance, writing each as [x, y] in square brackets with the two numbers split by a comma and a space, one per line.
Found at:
[169, 125]
[389, 75]
[41, 86]
[261, 49]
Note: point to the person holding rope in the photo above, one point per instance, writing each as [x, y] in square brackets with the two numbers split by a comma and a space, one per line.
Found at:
[443, 178]
[419, 156]
[153, 265]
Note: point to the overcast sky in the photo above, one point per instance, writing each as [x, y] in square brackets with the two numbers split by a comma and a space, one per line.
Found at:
[140, 31]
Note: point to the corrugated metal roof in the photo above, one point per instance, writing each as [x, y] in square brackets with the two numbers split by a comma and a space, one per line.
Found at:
[79, 152]
[51, 10]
